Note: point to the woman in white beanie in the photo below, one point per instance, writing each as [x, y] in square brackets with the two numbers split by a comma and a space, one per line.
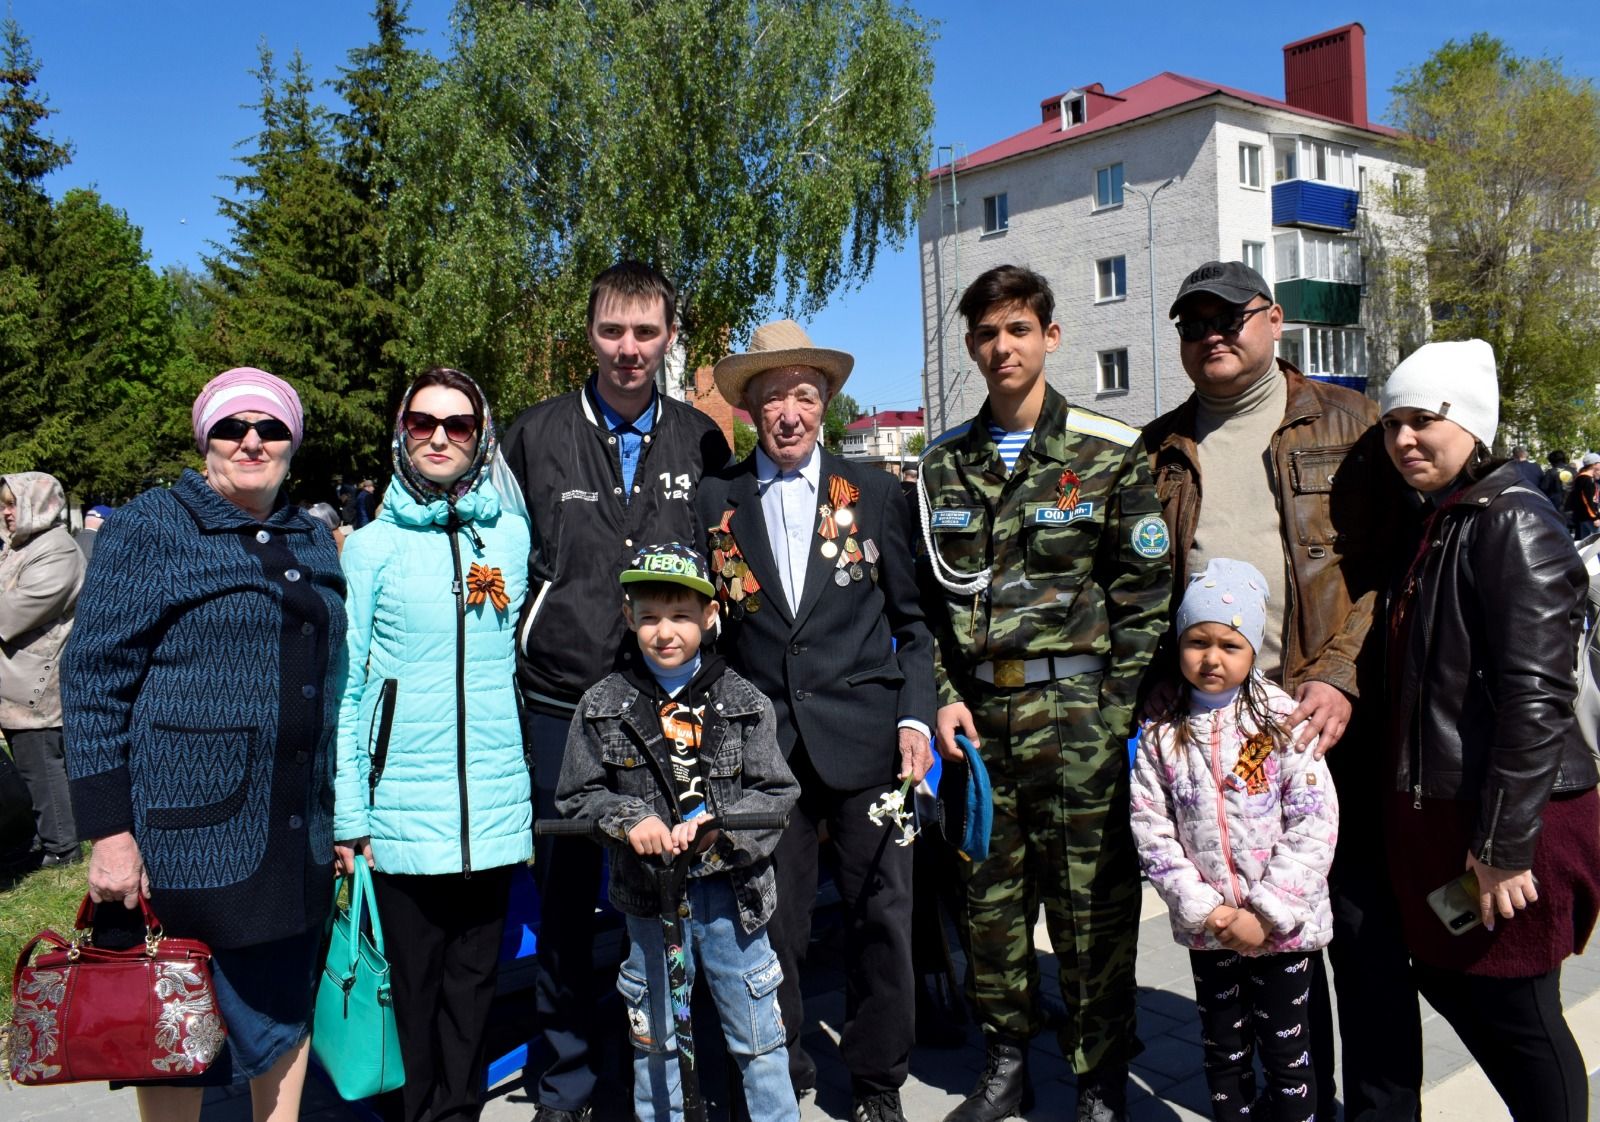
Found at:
[1490, 779]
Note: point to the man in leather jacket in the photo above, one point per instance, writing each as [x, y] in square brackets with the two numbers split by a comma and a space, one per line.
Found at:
[1297, 483]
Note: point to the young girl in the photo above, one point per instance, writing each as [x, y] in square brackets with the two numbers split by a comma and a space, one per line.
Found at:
[1236, 830]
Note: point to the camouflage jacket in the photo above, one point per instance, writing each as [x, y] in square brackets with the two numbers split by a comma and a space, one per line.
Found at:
[1073, 538]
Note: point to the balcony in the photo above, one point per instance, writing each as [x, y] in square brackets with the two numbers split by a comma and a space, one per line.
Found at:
[1314, 301]
[1305, 202]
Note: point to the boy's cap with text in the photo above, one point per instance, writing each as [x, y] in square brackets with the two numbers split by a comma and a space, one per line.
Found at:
[672, 563]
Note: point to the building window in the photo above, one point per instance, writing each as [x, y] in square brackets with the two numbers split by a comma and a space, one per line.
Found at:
[1339, 351]
[1250, 165]
[1111, 278]
[1108, 186]
[996, 215]
[1305, 157]
[1255, 255]
[1072, 112]
[1303, 255]
[1113, 372]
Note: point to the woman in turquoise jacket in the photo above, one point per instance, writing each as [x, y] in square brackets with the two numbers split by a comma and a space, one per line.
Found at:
[432, 786]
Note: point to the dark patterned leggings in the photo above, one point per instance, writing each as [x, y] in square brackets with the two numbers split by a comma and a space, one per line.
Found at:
[1249, 1006]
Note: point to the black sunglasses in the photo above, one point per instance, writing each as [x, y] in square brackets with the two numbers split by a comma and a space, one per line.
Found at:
[234, 428]
[460, 429]
[1194, 330]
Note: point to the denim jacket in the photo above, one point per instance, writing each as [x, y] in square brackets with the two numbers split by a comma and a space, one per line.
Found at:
[616, 772]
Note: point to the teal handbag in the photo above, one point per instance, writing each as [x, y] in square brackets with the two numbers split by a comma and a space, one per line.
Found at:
[353, 1035]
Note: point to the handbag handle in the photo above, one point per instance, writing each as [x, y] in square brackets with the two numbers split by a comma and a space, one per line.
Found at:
[363, 909]
[152, 925]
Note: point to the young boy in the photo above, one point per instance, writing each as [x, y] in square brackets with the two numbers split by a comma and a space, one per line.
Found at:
[1048, 594]
[657, 753]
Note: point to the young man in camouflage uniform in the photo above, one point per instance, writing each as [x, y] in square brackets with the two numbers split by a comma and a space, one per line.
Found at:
[1048, 594]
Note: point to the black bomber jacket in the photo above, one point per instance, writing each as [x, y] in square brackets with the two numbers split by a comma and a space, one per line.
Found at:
[585, 531]
[1483, 704]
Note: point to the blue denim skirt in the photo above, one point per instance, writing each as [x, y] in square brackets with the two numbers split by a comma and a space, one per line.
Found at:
[265, 994]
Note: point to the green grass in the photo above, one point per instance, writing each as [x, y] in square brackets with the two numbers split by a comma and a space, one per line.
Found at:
[40, 899]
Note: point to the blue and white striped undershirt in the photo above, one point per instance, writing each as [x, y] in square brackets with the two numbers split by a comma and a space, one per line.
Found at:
[1010, 444]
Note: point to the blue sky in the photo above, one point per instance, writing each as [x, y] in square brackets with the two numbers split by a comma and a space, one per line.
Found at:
[150, 94]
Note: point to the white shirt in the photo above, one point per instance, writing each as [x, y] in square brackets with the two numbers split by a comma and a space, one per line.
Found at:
[789, 504]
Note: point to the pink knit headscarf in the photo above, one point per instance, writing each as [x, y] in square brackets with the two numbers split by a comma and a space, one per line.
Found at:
[244, 389]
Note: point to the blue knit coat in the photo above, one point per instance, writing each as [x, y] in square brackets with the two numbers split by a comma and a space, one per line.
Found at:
[200, 690]
[430, 757]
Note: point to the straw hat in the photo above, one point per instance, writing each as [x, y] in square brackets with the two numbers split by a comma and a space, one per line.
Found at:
[774, 345]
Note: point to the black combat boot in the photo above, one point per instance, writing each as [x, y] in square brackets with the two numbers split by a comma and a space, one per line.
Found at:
[1103, 1094]
[1003, 1090]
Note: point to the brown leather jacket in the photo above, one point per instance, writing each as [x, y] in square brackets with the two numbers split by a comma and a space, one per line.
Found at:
[1338, 496]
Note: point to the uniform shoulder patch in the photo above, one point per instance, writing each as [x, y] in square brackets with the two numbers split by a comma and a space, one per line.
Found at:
[1149, 538]
[1092, 424]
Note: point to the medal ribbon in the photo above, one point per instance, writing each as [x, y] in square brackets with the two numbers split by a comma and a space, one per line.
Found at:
[486, 583]
[1067, 490]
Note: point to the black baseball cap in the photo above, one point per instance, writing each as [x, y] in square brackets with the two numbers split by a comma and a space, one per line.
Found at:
[1233, 281]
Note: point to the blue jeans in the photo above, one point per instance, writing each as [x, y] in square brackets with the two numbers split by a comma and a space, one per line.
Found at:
[744, 975]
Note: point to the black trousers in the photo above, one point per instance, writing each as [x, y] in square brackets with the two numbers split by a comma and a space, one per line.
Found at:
[1250, 1006]
[1381, 1064]
[874, 880]
[442, 935]
[567, 873]
[41, 760]
[1516, 1031]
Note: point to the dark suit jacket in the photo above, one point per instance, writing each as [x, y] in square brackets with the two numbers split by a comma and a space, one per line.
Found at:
[854, 660]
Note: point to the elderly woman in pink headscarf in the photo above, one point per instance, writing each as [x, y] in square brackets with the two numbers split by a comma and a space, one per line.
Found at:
[200, 690]
[41, 572]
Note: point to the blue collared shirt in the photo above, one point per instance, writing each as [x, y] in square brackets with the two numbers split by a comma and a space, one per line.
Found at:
[630, 435]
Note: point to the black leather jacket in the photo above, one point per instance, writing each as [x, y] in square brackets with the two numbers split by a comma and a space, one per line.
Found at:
[1483, 709]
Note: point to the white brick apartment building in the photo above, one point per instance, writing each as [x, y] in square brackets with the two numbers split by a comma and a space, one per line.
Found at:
[1280, 184]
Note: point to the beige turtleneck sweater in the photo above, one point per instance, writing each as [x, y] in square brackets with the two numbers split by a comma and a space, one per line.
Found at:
[1239, 515]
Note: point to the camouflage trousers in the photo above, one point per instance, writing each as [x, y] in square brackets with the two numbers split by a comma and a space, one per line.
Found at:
[1062, 839]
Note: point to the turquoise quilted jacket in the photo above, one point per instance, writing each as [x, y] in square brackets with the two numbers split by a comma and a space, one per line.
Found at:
[430, 762]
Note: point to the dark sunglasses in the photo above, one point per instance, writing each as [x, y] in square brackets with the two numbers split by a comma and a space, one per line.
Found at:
[234, 428]
[460, 429]
[1194, 330]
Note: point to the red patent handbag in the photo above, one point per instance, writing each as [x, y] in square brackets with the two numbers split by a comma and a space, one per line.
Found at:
[81, 1013]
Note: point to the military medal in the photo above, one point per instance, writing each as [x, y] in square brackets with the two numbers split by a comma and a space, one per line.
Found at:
[850, 545]
[869, 550]
[1067, 490]
[841, 578]
[844, 518]
[830, 550]
[752, 602]
[855, 572]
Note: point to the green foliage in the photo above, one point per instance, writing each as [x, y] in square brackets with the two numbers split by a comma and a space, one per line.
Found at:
[294, 292]
[842, 409]
[916, 443]
[1505, 226]
[26, 155]
[30, 903]
[562, 135]
[744, 440]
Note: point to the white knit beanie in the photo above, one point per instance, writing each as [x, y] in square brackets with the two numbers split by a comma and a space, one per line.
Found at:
[1455, 380]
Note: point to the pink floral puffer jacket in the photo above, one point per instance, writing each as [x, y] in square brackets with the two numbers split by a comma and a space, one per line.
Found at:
[1233, 819]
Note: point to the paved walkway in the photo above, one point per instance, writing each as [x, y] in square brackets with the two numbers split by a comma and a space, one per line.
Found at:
[1169, 1084]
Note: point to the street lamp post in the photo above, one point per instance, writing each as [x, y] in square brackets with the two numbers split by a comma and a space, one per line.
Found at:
[1150, 241]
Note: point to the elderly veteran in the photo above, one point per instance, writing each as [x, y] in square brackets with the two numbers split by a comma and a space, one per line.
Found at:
[815, 573]
[200, 695]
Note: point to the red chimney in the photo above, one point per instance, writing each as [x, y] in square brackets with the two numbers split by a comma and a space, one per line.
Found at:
[1327, 74]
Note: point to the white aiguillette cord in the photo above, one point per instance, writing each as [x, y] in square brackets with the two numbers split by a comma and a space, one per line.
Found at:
[962, 584]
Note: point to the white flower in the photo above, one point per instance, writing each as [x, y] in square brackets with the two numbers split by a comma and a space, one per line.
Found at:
[891, 810]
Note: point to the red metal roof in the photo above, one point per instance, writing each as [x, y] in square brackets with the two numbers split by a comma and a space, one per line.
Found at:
[1153, 95]
[888, 419]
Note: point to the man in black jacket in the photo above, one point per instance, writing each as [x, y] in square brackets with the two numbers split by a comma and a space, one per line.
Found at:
[814, 568]
[606, 470]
